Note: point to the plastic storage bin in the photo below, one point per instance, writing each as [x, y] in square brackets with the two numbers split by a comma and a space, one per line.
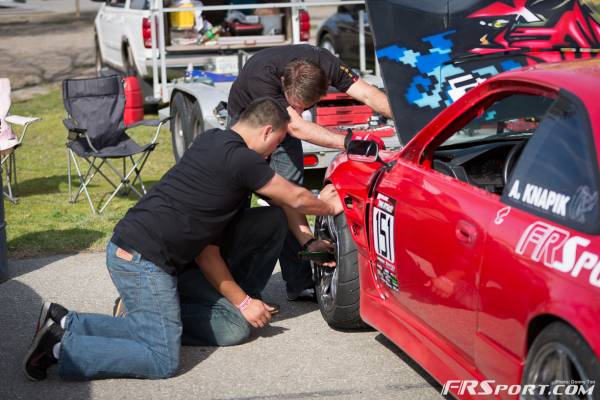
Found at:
[182, 19]
[272, 24]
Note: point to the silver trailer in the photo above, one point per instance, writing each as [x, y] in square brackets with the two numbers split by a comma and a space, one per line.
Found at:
[197, 106]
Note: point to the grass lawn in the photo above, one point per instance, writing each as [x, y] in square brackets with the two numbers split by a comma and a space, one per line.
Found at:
[44, 222]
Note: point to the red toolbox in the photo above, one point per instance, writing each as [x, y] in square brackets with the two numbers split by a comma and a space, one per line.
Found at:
[340, 109]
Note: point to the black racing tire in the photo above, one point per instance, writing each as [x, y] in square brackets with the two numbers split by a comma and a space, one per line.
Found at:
[196, 123]
[559, 353]
[180, 111]
[338, 290]
[327, 43]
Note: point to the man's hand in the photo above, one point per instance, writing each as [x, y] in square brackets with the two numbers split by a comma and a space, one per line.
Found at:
[295, 120]
[330, 196]
[322, 246]
[257, 313]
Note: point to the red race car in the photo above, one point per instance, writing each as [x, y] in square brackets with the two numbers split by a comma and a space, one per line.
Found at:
[476, 246]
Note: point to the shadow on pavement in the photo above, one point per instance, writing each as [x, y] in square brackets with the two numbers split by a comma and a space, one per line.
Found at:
[19, 308]
[411, 363]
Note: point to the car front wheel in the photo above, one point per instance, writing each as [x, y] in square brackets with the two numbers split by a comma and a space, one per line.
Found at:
[561, 359]
[338, 289]
[327, 44]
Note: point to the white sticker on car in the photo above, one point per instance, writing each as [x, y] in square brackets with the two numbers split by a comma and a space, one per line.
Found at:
[540, 197]
[557, 249]
[383, 228]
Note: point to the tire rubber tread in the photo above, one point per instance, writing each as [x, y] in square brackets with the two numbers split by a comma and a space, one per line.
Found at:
[345, 313]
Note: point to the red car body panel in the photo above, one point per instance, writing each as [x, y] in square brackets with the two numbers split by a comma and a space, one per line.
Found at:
[476, 285]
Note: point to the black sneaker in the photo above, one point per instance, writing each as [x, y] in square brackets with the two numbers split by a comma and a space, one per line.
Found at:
[307, 294]
[53, 311]
[39, 357]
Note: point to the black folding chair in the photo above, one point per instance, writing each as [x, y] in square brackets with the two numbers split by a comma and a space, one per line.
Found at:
[98, 135]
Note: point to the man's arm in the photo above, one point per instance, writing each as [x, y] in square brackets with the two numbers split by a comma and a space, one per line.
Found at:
[313, 133]
[284, 193]
[371, 96]
[216, 272]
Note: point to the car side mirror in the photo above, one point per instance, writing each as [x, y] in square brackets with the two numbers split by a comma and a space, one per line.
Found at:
[363, 150]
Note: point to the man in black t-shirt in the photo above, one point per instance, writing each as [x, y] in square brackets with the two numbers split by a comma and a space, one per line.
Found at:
[298, 76]
[197, 212]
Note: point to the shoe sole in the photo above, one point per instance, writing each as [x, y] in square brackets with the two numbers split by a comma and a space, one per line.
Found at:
[43, 316]
[36, 341]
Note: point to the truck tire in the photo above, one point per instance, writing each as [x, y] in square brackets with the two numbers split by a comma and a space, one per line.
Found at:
[196, 123]
[559, 353]
[326, 43]
[338, 289]
[180, 111]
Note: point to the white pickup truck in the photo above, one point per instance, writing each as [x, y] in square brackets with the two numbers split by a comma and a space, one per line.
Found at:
[123, 38]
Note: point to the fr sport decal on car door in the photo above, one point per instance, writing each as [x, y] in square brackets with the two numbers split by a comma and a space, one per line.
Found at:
[383, 240]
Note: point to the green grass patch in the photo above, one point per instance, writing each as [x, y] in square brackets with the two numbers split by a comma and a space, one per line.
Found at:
[44, 222]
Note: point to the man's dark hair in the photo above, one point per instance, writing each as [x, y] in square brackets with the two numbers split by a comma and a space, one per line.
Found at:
[265, 111]
[305, 81]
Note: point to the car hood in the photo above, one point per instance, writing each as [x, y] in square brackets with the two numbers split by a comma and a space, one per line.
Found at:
[432, 51]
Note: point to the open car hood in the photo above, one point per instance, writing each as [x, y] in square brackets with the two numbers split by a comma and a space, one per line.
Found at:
[432, 51]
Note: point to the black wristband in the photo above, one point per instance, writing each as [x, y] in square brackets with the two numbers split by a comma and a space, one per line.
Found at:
[308, 243]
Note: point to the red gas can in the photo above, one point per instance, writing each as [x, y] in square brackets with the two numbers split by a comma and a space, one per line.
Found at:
[134, 102]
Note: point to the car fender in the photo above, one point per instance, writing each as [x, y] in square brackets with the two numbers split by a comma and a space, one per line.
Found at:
[353, 181]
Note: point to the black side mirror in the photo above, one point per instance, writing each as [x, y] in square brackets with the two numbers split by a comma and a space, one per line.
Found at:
[363, 150]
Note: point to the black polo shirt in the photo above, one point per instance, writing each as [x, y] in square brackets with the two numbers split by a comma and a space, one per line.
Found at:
[194, 201]
[261, 75]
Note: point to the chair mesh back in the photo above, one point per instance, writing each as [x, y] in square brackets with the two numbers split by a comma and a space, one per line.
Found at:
[97, 105]
[5, 131]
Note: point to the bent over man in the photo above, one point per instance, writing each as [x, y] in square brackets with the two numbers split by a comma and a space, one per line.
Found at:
[196, 211]
[298, 76]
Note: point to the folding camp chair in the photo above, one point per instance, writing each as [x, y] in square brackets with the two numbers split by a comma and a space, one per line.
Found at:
[98, 135]
[8, 140]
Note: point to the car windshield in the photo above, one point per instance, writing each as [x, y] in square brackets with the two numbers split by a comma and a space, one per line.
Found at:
[516, 115]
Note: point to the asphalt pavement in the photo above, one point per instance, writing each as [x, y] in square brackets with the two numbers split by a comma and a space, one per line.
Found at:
[297, 357]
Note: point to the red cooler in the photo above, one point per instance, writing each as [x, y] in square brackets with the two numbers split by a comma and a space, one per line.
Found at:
[134, 101]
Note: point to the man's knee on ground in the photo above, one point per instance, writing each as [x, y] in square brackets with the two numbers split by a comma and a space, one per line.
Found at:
[237, 335]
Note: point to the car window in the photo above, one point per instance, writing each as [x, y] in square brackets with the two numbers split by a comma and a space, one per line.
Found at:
[139, 5]
[516, 115]
[117, 3]
[556, 175]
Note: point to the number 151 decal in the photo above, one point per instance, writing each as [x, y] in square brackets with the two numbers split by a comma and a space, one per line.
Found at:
[383, 227]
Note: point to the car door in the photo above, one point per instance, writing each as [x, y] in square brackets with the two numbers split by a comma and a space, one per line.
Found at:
[538, 241]
[112, 22]
[437, 212]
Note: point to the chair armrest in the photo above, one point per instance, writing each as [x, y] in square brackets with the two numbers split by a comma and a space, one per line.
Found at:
[70, 125]
[148, 122]
[19, 120]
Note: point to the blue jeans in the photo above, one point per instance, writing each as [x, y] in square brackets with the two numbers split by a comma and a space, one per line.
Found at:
[144, 344]
[253, 243]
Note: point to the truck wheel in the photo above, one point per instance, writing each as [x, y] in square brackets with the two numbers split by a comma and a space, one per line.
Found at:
[338, 290]
[327, 44]
[196, 123]
[558, 356]
[180, 111]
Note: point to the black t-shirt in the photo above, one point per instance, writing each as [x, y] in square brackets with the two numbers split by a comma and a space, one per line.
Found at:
[261, 75]
[195, 200]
